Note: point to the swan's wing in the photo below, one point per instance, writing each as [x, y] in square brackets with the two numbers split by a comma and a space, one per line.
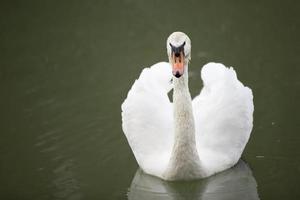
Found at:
[223, 117]
[147, 118]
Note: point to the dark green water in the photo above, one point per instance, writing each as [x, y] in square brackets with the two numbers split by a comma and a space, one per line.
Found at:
[65, 69]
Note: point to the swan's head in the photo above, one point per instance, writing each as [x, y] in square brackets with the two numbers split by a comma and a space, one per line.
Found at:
[179, 52]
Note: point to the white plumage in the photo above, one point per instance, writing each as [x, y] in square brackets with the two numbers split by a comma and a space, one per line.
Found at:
[147, 118]
[221, 116]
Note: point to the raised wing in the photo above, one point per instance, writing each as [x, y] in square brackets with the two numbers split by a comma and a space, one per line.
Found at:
[147, 118]
[223, 117]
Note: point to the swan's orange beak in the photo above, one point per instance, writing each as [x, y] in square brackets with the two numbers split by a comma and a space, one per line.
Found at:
[177, 64]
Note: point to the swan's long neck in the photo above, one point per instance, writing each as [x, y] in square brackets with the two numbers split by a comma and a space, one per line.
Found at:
[184, 161]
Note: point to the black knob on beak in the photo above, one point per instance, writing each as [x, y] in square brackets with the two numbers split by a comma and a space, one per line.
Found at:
[177, 50]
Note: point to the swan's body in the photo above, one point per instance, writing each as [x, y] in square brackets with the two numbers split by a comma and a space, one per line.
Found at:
[187, 139]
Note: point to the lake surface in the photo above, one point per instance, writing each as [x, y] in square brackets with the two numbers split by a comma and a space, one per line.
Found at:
[65, 69]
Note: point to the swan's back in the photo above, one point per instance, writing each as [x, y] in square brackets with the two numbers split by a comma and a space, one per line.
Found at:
[223, 117]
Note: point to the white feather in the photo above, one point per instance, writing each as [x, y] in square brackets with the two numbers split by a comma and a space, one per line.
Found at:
[223, 117]
[222, 111]
[147, 118]
[211, 131]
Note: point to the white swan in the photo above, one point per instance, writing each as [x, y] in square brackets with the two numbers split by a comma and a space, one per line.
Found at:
[186, 139]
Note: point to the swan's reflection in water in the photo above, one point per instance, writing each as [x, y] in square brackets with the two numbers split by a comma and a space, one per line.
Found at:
[236, 183]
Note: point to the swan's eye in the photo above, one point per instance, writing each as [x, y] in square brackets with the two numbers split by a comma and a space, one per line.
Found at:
[172, 48]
